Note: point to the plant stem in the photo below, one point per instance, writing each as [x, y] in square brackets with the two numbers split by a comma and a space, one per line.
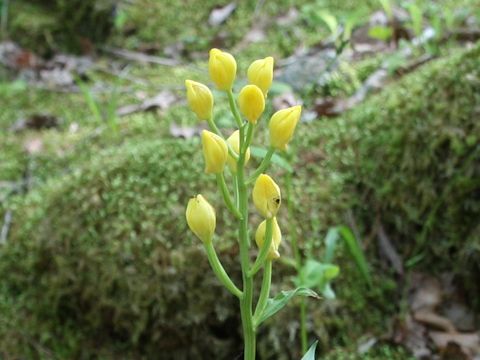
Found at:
[303, 325]
[234, 110]
[263, 165]
[264, 292]
[213, 126]
[226, 196]
[247, 298]
[264, 251]
[250, 130]
[220, 271]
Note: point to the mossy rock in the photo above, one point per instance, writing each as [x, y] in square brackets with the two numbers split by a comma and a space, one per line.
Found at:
[99, 261]
[409, 159]
[102, 265]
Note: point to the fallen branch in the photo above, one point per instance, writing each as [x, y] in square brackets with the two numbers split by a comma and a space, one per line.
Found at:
[7, 221]
[140, 57]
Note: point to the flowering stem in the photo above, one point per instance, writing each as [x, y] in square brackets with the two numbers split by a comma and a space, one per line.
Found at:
[234, 110]
[226, 196]
[263, 165]
[250, 131]
[246, 301]
[264, 292]
[262, 255]
[220, 271]
[214, 127]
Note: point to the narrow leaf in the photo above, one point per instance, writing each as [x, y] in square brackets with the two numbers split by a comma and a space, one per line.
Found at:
[330, 21]
[276, 159]
[331, 240]
[387, 7]
[277, 303]
[310, 354]
[356, 252]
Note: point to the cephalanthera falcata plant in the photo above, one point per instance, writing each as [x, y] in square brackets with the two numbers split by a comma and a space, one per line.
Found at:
[234, 153]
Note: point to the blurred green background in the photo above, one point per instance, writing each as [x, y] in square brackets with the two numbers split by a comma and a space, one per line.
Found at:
[99, 155]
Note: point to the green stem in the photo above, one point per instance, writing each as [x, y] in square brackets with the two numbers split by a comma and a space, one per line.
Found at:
[220, 271]
[226, 196]
[263, 165]
[303, 325]
[264, 292]
[246, 300]
[235, 191]
[264, 251]
[216, 130]
[234, 110]
[250, 131]
[214, 127]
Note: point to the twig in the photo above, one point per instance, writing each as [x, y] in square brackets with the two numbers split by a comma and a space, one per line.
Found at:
[7, 221]
[140, 57]
[463, 35]
[415, 64]
[389, 250]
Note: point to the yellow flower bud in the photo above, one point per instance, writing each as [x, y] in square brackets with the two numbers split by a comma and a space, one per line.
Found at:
[201, 218]
[200, 99]
[234, 142]
[260, 73]
[251, 102]
[215, 152]
[222, 68]
[282, 125]
[266, 196]
[276, 238]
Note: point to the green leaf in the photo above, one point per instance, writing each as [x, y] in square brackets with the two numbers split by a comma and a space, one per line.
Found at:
[387, 7]
[331, 239]
[356, 252]
[416, 17]
[276, 159]
[379, 32]
[277, 303]
[329, 20]
[317, 275]
[310, 354]
[328, 292]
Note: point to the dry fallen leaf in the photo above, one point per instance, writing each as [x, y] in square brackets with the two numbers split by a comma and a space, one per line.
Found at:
[161, 101]
[220, 15]
[185, 132]
[469, 344]
[284, 100]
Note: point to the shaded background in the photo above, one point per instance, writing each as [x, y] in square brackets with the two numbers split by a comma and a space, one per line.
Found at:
[99, 155]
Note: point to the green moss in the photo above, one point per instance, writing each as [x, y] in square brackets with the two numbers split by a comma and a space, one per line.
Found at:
[377, 353]
[409, 159]
[112, 260]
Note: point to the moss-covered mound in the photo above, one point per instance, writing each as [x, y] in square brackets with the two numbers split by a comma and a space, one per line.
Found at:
[100, 261]
[410, 158]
